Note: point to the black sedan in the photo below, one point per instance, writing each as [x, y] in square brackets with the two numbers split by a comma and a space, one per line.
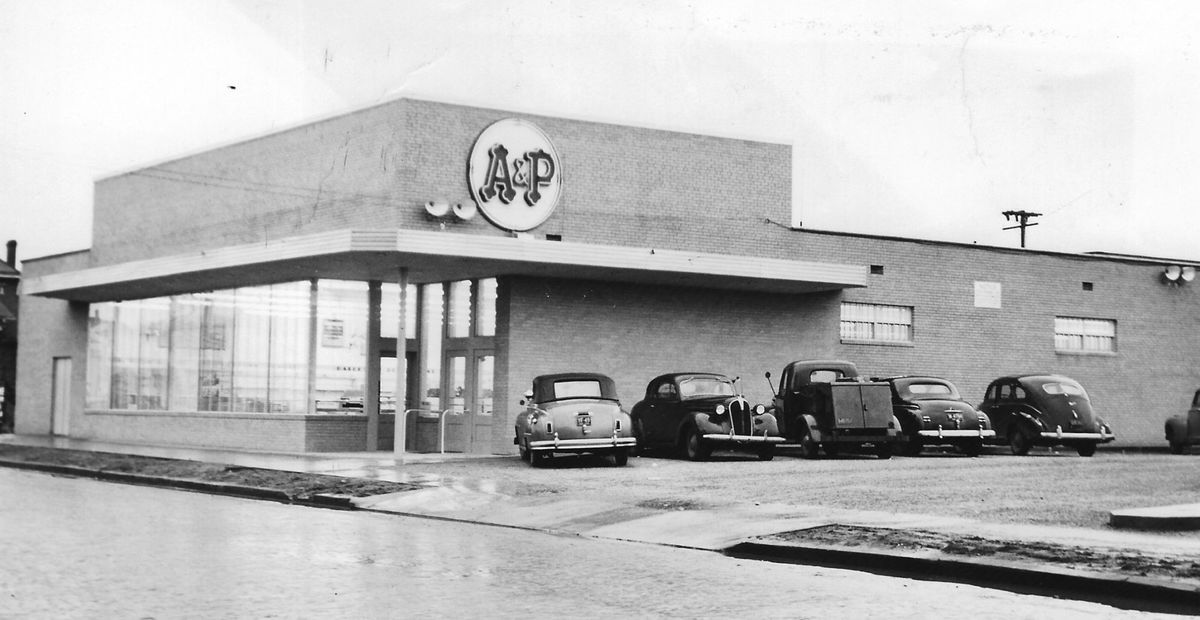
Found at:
[932, 413]
[1044, 410]
[695, 412]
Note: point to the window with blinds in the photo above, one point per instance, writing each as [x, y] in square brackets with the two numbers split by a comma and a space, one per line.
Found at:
[1078, 335]
[877, 323]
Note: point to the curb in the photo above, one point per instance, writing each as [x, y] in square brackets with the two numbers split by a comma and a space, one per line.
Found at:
[325, 501]
[1177, 518]
[1144, 594]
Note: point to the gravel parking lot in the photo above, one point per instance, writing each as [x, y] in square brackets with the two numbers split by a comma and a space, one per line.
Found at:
[1052, 487]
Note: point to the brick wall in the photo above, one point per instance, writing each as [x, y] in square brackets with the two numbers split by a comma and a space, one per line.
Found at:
[262, 433]
[375, 169]
[46, 329]
[634, 332]
[1152, 375]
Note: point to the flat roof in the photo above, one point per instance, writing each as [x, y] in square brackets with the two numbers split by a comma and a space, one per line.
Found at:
[434, 257]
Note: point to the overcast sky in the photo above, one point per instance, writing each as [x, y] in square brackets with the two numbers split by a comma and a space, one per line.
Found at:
[915, 119]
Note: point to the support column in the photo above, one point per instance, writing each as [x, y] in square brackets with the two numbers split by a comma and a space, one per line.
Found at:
[371, 387]
[312, 346]
[400, 434]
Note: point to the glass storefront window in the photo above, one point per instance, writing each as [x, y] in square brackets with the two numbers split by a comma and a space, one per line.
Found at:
[389, 310]
[126, 326]
[460, 310]
[485, 324]
[341, 345]
[154, 339]
[184, 383]
[431, 347]
[485, 366]
[290, 318]
[216, 352]
[251, 348]
[243, 350]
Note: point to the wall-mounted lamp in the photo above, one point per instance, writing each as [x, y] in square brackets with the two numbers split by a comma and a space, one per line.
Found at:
[442, 209]
[1175, 275]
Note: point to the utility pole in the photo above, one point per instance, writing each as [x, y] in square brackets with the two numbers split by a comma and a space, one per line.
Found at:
[1022, 218]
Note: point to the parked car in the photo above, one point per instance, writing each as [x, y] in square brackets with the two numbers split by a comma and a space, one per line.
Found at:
[932, 413]
[826, 404]
[695, 412]
[1184, 430]
[573, 412]
[1044, 410]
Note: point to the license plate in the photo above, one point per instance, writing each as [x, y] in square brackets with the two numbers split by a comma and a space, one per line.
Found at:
[583, 420]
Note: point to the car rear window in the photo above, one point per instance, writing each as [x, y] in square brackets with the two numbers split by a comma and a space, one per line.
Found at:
[1063, 388]
[824, 376]
[930, 390]
[577, 389]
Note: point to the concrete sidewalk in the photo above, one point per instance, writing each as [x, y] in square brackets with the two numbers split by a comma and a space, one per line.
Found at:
[742, 529]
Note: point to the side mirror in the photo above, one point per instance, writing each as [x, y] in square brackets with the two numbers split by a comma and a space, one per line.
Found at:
[767, 374]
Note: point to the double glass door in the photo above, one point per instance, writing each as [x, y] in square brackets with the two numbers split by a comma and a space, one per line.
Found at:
[467, 383]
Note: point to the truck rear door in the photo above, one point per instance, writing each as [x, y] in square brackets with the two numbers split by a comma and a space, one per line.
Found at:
[857, 405]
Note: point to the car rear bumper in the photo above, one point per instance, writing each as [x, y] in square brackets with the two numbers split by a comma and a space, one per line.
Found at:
[590, 443]
[1088, 437]
[957, 434]
[728, 438]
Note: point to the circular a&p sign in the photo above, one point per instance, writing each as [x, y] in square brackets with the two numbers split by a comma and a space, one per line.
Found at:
[515, 175]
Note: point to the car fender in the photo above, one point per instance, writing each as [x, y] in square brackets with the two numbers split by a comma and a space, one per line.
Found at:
[811, 422]
[766, 423]
[1176, 424]
[705, 423]
[906, 420]
[1030, 418]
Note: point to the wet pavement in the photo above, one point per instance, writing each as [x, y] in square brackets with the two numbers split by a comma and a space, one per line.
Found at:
[79, 548]
[499, 500]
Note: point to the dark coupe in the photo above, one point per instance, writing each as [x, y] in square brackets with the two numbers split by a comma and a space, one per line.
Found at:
[1044, 410]
[1183, 430]
[573, 412]
[932, 413]
[695, 412]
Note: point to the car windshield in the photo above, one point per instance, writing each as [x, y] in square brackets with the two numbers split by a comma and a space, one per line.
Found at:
[704, 387]
[1069, 389]
[930, 390]
[577, 389]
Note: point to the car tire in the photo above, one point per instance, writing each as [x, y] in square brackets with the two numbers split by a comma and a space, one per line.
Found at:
[694, 447]
[972, 448]
[913, 446]
[883, 450]
[639, 448]
[524, 450]
[766, 452]
[1176, 446]
[1086, 449]
[1019, 441]
[620, 457]
[809, 448]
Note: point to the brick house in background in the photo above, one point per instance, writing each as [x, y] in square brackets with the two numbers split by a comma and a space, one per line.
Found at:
[10, 278]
